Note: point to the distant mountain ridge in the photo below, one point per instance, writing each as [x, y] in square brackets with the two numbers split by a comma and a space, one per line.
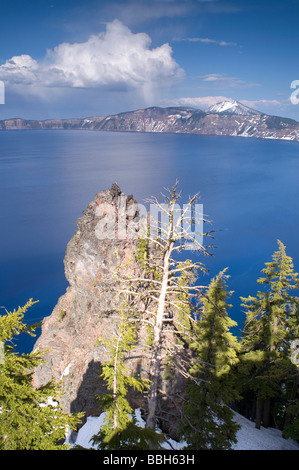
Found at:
[228, 118]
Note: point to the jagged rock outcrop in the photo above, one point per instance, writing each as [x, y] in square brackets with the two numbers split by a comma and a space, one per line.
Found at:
[86, 311]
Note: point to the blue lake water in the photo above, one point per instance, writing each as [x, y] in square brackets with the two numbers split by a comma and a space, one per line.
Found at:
[248, 187]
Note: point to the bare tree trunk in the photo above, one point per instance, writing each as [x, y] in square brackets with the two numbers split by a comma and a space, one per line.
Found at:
[162, 297]
[266, 413]
[153, 393]
[258, 412]
[253, 410]
[115, 423]
[288, 416]
[155, 365]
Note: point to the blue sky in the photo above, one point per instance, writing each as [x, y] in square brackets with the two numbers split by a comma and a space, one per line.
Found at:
[71, 58]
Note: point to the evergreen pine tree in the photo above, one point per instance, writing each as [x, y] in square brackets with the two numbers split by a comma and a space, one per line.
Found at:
[30, 419]
[272, 321]
[120, 429]
[207, 421]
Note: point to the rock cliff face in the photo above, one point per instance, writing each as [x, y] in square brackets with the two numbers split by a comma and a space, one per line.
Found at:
[64, 124]
[195, 121]
[86, 311]
[228, 119]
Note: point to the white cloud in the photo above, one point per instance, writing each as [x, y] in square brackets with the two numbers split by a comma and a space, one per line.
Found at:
[223, 81]
[279, 108]
[19, 69]
[115, 59]
[252, 103]
[202, 102]
[138, 11]
[208, 41]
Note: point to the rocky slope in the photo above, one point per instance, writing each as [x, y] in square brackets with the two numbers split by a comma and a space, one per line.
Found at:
[18, 123]
[195, 121]
[228, 118]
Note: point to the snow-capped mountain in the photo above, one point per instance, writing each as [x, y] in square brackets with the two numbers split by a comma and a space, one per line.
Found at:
[232, 107]
[230, 118]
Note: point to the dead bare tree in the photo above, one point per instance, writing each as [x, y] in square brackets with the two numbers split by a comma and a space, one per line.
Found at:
[165, 288]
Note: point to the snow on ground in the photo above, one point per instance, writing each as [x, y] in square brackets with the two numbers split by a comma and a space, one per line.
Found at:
[86, 432]
[248, 437]
[93, 424]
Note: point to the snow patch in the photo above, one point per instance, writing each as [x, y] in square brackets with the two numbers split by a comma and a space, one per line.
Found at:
[50, 402]
[93, 425]
[66, 371]
[248, 437]
[86, 432]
